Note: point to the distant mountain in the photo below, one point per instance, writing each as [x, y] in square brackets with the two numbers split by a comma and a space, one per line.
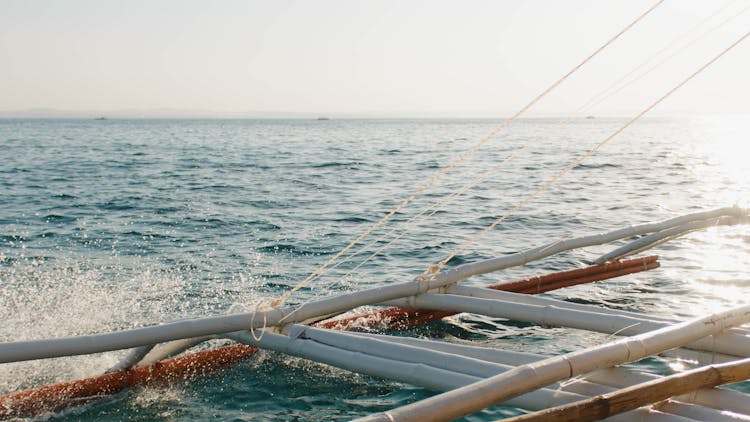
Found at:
[153, 113]
[175, 113]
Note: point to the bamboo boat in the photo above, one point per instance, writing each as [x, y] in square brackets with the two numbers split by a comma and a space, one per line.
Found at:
[586, 384]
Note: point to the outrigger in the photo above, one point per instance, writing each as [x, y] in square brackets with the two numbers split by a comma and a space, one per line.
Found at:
[473, 377]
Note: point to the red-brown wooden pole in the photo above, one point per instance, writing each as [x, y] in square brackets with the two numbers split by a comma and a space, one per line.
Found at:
[638, 395]
[400, 318]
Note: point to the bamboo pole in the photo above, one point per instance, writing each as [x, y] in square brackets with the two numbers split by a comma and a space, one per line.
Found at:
[540, 285]
[550, 315]
[385, 362]
[60, 399]
[548, 301]
[60, 396]
[489, 354]
[617, 377]
[523, 299]
[653, 239]
[630, 398]
[40, 349]
[466, 400]
[698, 357]
[167, 350]
[382, 347]
[132, 358]
[693, 411]
[716, 398]
[468, 270]
[394, 351]
[399, 318]
[415, 365]
[464, 271]
[537, 284]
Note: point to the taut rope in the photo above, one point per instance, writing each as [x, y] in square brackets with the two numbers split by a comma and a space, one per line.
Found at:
[320, 270]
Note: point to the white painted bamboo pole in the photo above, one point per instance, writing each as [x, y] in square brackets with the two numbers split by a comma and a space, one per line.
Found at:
[421, 374]
[386, 349]
[699, 357]
[583, 387]
[173, 348]
[40, 349]
[505, 357]
[534, 254]
[131, 359]
[382, 347]
[484, 293]
[728, 343]
[720, 399]
[653, 239]
[413, 373]
[469, 399]
[198, 327]
[166, 350]
[698, 413]
[619, 377]
[370, 361]
[538, 300]
[646, 413]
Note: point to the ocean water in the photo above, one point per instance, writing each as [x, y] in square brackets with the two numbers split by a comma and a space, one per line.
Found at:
[116, 224]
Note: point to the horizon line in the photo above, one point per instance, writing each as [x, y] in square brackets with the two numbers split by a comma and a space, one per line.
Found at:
[176, 113]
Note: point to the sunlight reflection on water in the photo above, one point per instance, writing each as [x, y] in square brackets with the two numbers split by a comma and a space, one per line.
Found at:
[147, 221]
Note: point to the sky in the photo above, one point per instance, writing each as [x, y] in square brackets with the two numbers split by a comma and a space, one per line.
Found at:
[368, 58]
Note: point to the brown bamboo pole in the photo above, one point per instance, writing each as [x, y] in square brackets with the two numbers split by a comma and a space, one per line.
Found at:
[400, 318]
[588, 279]
[606, 405]
[537, 283]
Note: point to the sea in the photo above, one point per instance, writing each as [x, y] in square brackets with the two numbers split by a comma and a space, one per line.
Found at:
[114, 224]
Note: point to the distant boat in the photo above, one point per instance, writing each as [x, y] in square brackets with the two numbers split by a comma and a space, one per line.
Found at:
[590, 117]
[101, 118]
[324, 118]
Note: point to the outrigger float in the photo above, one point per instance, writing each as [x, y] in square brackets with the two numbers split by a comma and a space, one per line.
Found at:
[588, 384]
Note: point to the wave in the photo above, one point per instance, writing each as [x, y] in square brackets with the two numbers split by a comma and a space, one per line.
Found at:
[585, 166]
[348, 164]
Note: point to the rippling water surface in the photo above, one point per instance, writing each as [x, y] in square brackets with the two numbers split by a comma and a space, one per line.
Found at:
[124, 223]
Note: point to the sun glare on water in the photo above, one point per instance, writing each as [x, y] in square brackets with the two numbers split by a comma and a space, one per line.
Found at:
[718, 259]
[726, 147]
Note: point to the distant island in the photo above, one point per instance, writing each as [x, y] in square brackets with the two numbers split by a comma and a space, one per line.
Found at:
[163, 113]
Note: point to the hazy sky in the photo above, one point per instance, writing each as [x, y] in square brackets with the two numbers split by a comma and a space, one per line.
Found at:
[482, 58]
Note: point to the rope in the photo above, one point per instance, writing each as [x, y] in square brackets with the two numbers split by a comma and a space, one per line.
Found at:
[597, 99]
[665, 48]
[430, 272]
[320, 270]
